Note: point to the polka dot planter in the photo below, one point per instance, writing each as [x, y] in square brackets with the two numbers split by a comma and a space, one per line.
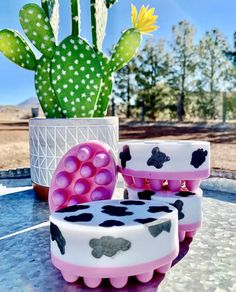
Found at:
[50, 139]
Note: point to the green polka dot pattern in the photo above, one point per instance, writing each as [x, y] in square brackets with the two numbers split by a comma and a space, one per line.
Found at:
[125, 49]
[36, 26]
[76, 77]
[106, 89]
[45, 91]
[16, 49]
[51, 8]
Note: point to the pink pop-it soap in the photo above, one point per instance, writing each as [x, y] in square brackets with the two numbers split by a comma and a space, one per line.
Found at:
[87, 172]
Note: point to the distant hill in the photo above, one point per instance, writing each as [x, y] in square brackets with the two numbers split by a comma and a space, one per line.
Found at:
[29, 103]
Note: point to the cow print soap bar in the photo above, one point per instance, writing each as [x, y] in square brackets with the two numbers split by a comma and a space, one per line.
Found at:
[188, 204]
[87, 172]
[114, 239]
[150, 164]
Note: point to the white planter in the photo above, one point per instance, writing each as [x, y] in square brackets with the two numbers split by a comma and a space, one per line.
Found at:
[50, 139]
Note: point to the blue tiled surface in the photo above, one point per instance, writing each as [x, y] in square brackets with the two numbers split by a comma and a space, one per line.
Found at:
[209, 265]
[21, 210]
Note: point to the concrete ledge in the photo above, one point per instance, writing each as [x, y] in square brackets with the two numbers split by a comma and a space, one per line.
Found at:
[219, 185]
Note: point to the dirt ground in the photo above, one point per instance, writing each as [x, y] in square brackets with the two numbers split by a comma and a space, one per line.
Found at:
[14, 147]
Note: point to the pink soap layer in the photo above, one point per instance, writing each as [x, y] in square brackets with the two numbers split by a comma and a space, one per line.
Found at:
[189, 227]
[112, 272]
[155, 174]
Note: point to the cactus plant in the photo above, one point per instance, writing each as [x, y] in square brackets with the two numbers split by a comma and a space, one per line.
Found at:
[73, 78]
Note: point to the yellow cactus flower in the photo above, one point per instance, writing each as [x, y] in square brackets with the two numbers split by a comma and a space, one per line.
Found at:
[144, 21]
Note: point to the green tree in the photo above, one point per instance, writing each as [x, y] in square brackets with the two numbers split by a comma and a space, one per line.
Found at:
[124, 86]
[184, 63]
[214, 70]
[151, 70]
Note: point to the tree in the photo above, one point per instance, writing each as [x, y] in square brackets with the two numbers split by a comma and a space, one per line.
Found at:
[214, 71]
[184, 63]
[124, 86]
[151, 70]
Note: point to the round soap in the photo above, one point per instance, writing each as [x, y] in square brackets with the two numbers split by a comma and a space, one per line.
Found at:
[87, 172]
[151, 163]
[114, 239]
[188, 204]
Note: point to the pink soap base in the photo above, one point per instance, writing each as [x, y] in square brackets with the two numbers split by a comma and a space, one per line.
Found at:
[118, 276]
[87, 172]
[137, 179]
[188, 230]
[183, 175]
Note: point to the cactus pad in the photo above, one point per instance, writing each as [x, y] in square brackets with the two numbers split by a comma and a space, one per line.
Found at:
[75, 16]
[99, 22]
[51, 8]
[44, 89]
[36, 26]
[106, 89]
[16, 49]
[76, 77]
[125, 49]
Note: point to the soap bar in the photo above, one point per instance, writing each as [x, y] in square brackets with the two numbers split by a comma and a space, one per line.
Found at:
[114, 239]
[188, 204]
[87, 172]
[151, 163]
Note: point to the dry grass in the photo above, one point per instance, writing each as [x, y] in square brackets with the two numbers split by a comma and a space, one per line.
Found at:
[14, 145]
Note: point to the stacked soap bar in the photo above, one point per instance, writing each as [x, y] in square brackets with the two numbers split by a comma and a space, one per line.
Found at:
[188, 204]
[114, 239]
[170, 171]
[160, 164]
[87, 172]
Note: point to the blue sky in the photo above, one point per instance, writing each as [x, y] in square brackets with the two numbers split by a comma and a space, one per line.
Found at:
[17, 84]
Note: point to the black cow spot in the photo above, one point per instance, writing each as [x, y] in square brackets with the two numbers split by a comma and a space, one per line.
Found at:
[132, 203]
[57, 235]
[145, 195]
[198, 157]
[184, 194]
[156, 209]
[126, 194]
[125, 156]
[108, 246]
[157, 229]
[111, 223]
[158, 158]
[84, 217]
[179, 206]
[145, 220]
[73, 208]
[116, 211]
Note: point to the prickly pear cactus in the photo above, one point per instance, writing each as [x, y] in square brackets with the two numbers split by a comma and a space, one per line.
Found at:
[46, 95]
[16, 48]
[76, 77]
[99, 22]
[36, 26]
[51, 8]
[106, 88]
[73, 79]
[125, 49]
